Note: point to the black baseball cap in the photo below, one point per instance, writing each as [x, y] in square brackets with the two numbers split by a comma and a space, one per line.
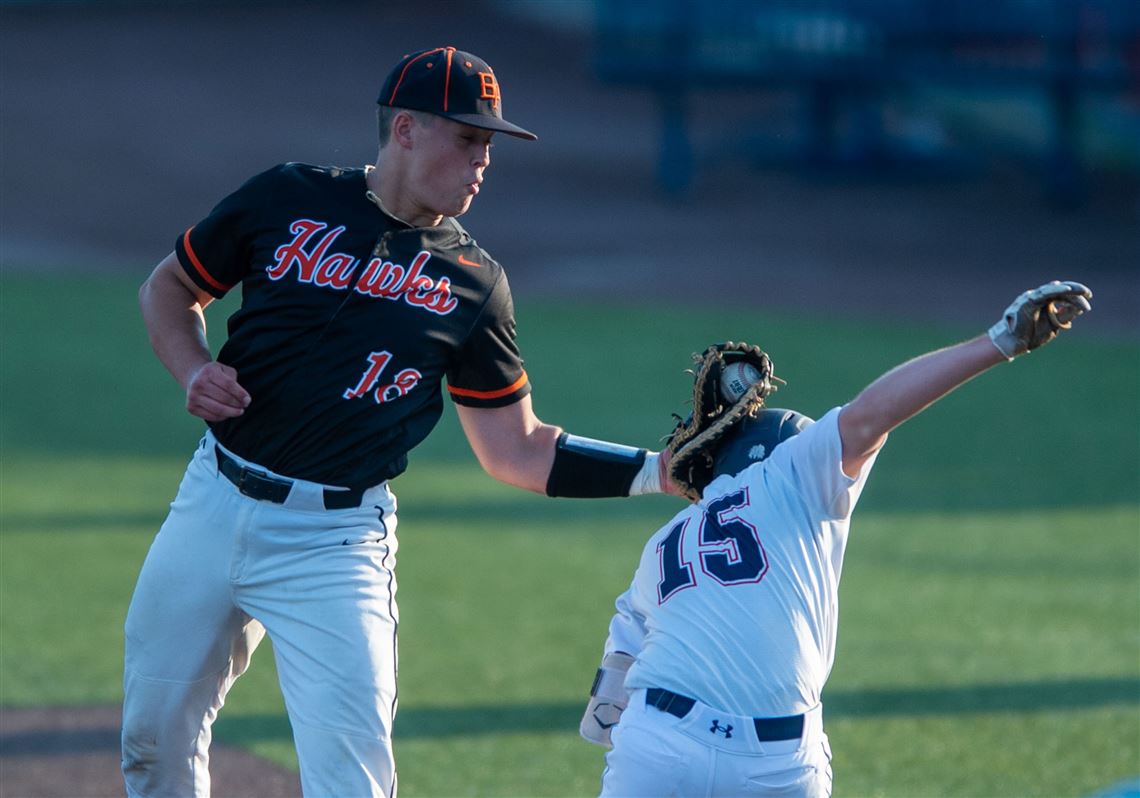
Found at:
[449, 83]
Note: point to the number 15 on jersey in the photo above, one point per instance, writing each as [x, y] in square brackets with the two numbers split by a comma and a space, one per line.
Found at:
[729, 549]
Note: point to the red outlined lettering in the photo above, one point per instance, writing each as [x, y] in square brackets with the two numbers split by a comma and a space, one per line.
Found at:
[376, 363]
[405, 381]
[294, 254]
[336, 271]
[310, 252]
[380, 278]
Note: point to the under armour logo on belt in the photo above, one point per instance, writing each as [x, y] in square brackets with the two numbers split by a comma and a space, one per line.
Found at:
[725, 730]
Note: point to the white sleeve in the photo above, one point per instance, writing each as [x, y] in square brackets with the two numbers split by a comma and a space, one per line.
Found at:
[627, 627]
[814, 461]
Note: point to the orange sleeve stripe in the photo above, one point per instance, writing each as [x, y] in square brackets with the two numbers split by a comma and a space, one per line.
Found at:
[514, 386]
[205, 275]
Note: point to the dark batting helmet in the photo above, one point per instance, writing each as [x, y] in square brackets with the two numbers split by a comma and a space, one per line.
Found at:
[755, 436]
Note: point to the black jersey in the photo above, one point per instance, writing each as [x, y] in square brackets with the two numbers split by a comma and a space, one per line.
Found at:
[349, 322]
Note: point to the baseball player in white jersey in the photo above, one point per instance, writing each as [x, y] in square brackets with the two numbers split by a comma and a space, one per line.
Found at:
[719, 651]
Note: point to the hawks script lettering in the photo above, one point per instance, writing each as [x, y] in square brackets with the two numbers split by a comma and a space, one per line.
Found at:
[309, 253]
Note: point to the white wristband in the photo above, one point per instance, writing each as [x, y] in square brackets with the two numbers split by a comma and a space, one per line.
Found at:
[648, 479]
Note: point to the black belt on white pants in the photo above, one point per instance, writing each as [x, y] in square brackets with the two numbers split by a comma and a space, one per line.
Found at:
[259, 485]
[768, 730]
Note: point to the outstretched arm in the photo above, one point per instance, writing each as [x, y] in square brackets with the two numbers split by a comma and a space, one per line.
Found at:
[515, 447]
[511, 443]
[905, 391]
[1031, 321]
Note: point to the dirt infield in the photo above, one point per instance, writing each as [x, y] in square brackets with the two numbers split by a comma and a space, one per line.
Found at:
[133, 120]
[74, 753]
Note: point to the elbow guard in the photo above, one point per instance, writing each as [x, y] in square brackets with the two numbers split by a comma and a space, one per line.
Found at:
[608, 699]
[585, 468]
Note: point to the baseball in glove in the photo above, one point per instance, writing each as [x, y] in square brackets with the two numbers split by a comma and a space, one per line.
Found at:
[731, 381]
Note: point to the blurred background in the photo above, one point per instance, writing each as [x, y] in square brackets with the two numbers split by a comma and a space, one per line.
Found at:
[846, 183]
[780, 146]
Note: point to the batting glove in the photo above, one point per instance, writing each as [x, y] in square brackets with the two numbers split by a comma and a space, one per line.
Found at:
[1035, 317]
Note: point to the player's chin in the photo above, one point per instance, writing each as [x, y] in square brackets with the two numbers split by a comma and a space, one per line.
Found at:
[461, 205]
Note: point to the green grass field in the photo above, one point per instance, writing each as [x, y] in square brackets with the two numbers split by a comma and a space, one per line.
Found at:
[989, 641]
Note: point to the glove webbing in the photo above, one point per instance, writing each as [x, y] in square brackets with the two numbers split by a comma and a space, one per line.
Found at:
[690, 441]
[702, 444]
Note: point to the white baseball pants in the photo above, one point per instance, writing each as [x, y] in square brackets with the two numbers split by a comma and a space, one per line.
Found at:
[223, 571]
[711, 753]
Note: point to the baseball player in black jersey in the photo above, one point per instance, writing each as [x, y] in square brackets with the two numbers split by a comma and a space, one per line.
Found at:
[361, 295]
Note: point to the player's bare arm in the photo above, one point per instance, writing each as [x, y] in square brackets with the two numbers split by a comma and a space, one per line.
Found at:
[905, 391]
[727, 711]
[172, 309]
[360, 294]
[1031, 321]
[511, 443]
[515, 447]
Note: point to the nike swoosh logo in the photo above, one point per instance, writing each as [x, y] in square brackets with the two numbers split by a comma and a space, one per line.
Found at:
[466, 262]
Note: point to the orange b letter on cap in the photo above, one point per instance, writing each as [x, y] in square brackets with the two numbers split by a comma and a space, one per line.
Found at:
[489, 88]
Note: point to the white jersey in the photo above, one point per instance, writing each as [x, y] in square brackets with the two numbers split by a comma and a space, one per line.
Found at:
[735, 601]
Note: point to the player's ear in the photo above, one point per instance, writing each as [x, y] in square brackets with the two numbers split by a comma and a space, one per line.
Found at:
[404, 127]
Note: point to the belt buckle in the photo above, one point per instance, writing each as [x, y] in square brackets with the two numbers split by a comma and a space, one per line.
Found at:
[251, 473]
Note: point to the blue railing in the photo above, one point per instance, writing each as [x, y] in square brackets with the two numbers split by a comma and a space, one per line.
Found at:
[832, 48]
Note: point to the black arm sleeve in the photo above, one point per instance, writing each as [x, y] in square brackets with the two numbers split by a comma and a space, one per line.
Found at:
[585, 468]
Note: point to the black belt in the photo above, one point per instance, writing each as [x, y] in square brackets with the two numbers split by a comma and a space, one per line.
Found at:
[768, 730]
[259, 485]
